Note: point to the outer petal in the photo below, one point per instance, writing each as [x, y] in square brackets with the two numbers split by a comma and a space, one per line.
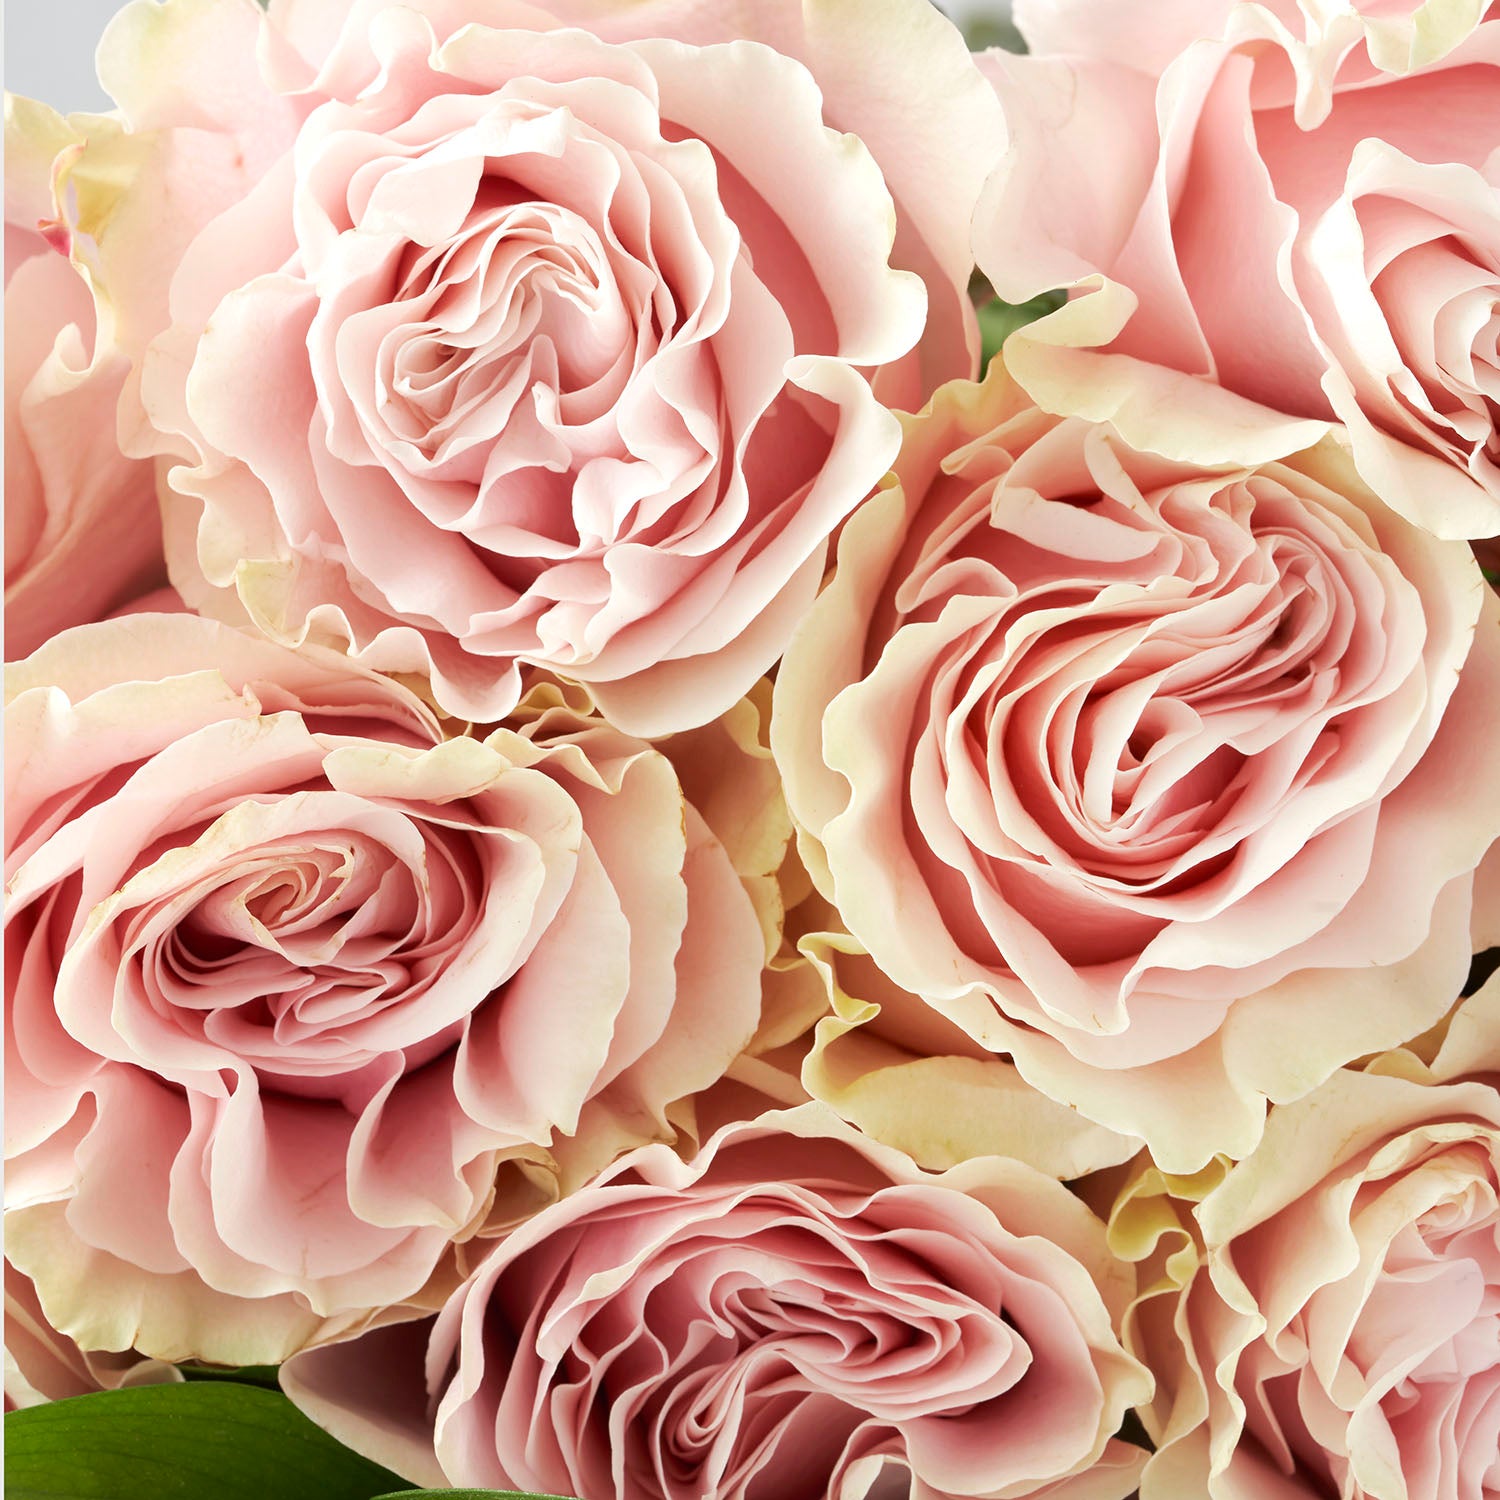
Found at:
[907, 1078]
[42, 1365]
[188, 146]
[81, 532]
[1217, 252]
[897, 75]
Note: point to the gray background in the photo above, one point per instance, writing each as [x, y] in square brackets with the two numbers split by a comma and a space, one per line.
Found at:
[49, 50]
[49, 45]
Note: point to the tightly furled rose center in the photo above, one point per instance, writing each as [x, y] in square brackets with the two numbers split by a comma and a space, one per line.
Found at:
[307, 938]
[521, 306]
[498, 283]
[1160, 680]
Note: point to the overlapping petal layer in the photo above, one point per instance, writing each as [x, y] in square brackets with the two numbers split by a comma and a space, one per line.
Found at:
[43, 1365]
[81, 528]
[532, 334]
[1127, 765]
[1329, 1316]
[1299, 201]
[302, 992]
[797, 1310]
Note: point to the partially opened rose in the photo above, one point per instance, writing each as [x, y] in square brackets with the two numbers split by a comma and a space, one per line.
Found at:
[796, 1312]
[300, 993]
[1147, 772]
[1299, 200]
[81, 527]
[1340, 1334]
[534, 333]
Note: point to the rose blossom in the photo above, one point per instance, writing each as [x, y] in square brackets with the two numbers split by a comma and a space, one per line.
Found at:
[81, 527]
[1332, 1320]
[301, 992]
[796, 1312]
[535, 333]
[1137, 768]
[1299, 200]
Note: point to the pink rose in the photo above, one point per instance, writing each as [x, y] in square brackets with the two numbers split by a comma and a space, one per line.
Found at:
[1301, 201]
[797, 1312]
[81, 526]
[542, 333]
[300, 992]
[1332, 1319]
[1136, 768]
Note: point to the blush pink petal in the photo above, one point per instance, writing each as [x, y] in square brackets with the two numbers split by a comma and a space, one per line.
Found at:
[189, 155]
[897, 76]
[1332, 1302]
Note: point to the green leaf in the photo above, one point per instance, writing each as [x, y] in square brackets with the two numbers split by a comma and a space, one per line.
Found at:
[983, 32]
[998, 320]
[469, 1495]
[210, 1440]
[266, 1375]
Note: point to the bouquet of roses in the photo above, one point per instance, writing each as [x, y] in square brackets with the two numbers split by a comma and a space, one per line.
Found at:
[752, 758]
